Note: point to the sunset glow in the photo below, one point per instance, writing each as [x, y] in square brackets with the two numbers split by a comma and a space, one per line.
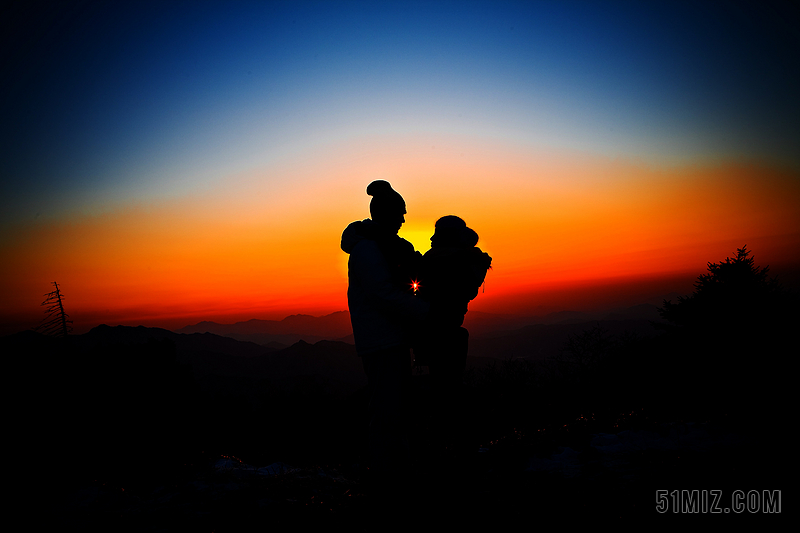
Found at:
[224, 197]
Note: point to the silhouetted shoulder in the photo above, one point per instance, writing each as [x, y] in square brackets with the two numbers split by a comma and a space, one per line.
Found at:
[354, 233]
[453, 274]
[479, 259]
[405, 247]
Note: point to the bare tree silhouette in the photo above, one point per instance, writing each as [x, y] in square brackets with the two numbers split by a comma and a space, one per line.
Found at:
[56, 321]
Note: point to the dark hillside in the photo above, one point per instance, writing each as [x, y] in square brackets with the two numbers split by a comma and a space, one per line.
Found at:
[143, 428]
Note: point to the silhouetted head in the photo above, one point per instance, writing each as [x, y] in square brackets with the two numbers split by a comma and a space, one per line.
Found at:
[387, 208]
[452, 231]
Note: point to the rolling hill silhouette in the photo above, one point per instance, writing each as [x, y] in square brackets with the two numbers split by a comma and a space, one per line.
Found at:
[280, 332]
[332, 365]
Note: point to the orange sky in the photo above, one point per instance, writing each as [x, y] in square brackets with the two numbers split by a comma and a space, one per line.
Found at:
[266, 243]
[167, 166]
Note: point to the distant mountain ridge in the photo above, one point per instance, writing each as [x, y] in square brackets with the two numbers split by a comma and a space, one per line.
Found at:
[217, 362]
[491, 335]
[281, 333]
[337, 324]
[220, 361]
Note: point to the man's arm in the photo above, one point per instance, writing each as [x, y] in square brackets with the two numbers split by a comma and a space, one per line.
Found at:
[369, 268]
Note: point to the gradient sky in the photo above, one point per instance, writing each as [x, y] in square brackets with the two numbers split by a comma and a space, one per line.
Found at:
[198, 160]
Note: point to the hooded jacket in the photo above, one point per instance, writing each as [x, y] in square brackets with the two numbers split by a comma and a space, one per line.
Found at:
[450, 277]
[383, 310]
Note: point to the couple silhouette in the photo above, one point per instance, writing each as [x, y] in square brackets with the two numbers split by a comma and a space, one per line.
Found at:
[399, 299]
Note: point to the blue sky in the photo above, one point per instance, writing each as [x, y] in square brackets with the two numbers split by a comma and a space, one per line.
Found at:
[106, 103]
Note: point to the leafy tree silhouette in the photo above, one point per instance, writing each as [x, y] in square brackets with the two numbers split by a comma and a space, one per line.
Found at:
[733, 292]
[729, 338]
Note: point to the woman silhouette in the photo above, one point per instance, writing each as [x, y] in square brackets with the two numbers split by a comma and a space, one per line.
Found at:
[451, 274]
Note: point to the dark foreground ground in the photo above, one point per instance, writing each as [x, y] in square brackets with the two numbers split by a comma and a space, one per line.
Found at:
[137, 435]
[587, 471]
[482, 491]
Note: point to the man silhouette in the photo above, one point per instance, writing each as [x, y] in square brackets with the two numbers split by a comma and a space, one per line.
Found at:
[383, 312]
